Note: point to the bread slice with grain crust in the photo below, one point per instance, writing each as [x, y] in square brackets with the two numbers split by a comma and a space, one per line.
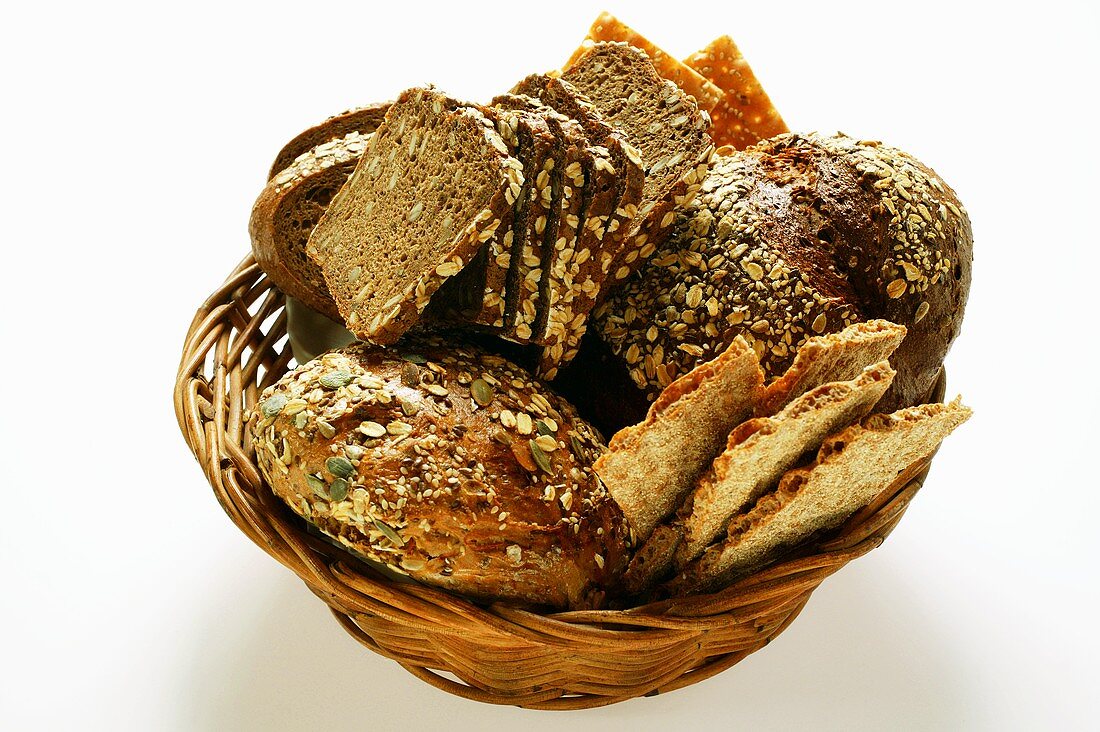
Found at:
[745, 115]
[760, 450]
[838, 356]
[851, 468]
[609, 28]
[288, 209]
[362, 120]
[667, 127]
[432, 187]
[651, 466]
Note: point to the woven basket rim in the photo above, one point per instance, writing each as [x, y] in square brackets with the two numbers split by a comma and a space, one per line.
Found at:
[236, 345]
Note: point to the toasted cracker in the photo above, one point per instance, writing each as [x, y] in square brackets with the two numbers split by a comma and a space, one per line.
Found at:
[851, 468]
[745, 115]
[649, 467]
[608, 28]
[835, 357]
[760, 450]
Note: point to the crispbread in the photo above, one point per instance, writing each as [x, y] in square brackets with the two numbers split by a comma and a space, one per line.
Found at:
[653, 560]
[851, 468]
[745, 114]
[760, 450]
[609, 28]
[835, 357]
[412, 214]
[649, 467]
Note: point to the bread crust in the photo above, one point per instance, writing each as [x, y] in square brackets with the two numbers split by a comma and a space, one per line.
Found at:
[440, 479]
[362, 120]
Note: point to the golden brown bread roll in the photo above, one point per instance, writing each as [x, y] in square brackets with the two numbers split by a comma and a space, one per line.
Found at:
[447, 463]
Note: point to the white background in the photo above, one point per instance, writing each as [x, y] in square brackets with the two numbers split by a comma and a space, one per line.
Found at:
[135, 139]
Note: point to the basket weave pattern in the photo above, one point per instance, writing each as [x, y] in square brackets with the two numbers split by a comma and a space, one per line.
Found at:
[236, 346]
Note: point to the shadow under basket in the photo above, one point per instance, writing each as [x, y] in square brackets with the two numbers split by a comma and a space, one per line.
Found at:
[237, 346]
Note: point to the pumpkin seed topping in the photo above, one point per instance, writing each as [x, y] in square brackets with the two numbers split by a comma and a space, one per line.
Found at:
[481, 392]
[273, 405]
[543, 428]
[335, 379]
[541, 458]
[341, 467]
[414, 358]
[317, 486]
[389, 532]
[338, 489]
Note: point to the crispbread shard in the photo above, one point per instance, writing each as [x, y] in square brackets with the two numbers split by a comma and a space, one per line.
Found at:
[760, 450]
[835, 357]
[851, 468]
[744, 115]
[664, 123]
[288, 208]
[434, 185]
[651, 466]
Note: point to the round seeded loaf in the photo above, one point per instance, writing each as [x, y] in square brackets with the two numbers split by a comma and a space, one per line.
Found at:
[797, 236]
[447, 463]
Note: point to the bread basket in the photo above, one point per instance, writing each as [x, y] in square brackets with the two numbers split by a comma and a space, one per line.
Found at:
[237, 345]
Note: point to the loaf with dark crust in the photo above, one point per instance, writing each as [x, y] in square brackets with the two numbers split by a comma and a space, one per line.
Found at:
[362, 120]
[798, 236]
[449, 464]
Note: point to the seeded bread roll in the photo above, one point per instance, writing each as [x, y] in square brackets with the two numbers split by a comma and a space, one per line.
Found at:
[798, 236]
[447, 463]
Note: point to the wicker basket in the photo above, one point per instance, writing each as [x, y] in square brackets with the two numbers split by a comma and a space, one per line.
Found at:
[237, 346]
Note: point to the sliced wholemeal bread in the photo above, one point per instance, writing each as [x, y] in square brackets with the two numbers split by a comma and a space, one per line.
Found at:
[663, 123]
[287, 210]
[651, 466]
[432, 187]
[653, 560]
[745, 114]
[609, 28]
[851, 468]
[362, 120]
[760, 450]
[838, 356]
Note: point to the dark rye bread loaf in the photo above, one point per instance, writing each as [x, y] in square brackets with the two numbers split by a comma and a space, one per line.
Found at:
[663, 123]
[798, 236]
[288, 209]
[361, 119]
[432, 187]
[447, 463]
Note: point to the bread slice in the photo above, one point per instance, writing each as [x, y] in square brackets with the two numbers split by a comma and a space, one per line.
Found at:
[362, 120]
[432, 187]
[838, 356]
[653, 560]
[745, 115]
[288, 208]
[760, 450]
[609, 28]
[667, 127]
[650, 467]
[851, 468]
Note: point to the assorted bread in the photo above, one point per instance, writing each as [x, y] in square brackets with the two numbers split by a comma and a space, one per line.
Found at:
[750, 307]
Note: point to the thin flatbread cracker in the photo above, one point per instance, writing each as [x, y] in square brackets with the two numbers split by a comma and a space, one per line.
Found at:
[650, 467]
[745, 115]
[851, 468]
[838, 356]
[761, 450]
